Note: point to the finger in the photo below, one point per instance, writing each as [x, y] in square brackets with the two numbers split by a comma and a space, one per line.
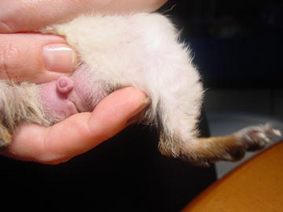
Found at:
[34, 57]
[80, 132]
[26, 15]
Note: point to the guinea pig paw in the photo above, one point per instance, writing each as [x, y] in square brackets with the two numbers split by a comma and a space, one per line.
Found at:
[257, 137]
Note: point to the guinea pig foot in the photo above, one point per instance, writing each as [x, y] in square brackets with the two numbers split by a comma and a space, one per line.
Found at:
[257, 137]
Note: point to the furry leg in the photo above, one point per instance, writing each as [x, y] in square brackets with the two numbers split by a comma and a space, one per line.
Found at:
[231, 147]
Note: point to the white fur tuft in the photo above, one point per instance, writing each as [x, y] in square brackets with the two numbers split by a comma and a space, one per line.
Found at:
[143, 50]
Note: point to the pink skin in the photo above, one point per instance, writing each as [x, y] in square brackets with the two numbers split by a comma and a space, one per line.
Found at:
[66, 96]
[55, 98]
[60, 98]
[64, 85]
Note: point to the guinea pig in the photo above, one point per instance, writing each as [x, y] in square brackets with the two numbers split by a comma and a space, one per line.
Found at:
[141, 50]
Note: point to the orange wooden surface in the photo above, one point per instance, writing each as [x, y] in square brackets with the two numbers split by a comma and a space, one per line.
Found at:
[256, 186]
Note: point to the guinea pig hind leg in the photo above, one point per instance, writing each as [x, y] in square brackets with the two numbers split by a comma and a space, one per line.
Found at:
[234, 146]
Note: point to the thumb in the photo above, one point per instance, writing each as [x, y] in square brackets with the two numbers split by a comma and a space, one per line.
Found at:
[34, 57]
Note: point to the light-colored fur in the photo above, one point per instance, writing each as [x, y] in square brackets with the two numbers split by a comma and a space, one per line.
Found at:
[141, 50]
[20, 103]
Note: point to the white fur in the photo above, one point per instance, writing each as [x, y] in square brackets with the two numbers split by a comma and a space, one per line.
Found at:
[258, 136]
[143, 50]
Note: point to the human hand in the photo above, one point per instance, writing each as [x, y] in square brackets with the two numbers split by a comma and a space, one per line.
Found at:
[80, 132]
[34, 57]
[30, 15]
[41, 58]
[21, 59]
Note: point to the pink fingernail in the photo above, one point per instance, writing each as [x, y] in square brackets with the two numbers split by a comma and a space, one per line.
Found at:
[59, 58]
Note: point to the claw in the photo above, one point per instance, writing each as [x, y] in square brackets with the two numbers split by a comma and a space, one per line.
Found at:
[276, 132]
[257, 137]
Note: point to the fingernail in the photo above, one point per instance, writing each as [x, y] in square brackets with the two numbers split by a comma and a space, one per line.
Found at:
[139, 112]
[59, 58]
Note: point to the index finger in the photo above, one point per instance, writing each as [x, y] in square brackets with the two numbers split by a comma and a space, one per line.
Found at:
[29, 15]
